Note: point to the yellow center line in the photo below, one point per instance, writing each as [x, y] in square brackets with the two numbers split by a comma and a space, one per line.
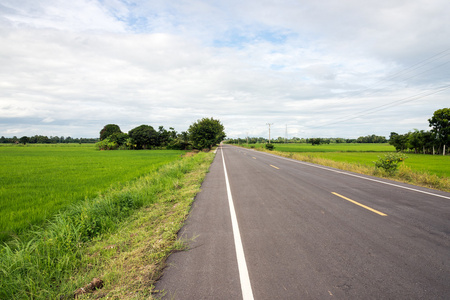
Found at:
[362, 205]
[253, 157]
[274, 167]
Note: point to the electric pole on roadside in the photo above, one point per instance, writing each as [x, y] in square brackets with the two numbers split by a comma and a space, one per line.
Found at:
[269, 130]
[286, 136]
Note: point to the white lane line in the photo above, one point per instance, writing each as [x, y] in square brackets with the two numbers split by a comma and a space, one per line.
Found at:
[246, 287]
[354, 175]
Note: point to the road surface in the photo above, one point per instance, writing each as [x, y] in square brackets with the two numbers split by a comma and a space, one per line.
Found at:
[267, 227]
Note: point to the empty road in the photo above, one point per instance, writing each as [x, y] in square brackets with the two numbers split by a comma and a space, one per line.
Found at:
[266, 227]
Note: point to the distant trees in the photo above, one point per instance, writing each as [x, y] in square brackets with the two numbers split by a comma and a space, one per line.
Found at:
[371, 139]
[42, 139]
[314, 141]
[418, 141]
[427, 142]
[206, 133]
[202, 134]
[24, 140]
[318, 141]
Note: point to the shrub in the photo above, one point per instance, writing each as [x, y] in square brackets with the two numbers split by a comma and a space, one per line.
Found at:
[106, 144]
[270, 147]
[389, 162]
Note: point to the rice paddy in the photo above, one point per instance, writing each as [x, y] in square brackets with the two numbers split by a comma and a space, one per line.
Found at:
[36, 181]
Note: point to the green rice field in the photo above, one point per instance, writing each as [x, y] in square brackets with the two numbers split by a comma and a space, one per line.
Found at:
[36, 181]
[432, 164]
[366, 154]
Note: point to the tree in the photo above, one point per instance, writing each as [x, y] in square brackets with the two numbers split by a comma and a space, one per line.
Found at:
[109, 130]
[399, 141]
[119, 137]
[144, 136]
[24, 140]
[163, 137]
[206, 133]
[440, 123]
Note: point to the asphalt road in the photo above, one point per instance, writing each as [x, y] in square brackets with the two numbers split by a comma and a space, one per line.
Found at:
[309, 232]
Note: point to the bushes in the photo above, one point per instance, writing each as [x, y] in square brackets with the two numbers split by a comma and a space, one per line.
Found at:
[270, 147]
[107, 144]
[389, 162]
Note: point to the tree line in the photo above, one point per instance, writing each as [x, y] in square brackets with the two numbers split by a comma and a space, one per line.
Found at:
[42, 139]
[314, 141]
[203, 134]
[435, 141]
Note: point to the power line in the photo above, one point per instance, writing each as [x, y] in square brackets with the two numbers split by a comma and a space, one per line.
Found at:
[406, 71]
[384, 106]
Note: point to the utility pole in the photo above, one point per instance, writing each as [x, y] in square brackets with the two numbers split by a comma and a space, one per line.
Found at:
[286, 136]
[247, 139]
[269, 130]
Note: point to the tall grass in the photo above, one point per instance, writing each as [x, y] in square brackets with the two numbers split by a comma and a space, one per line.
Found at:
[37, 181]
[40, 265]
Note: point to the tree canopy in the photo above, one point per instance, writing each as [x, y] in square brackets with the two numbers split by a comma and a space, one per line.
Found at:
[440, 123]
[109, 130]
[206, 133]
[144, 136]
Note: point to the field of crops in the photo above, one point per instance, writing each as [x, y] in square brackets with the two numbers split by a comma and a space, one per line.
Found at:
[366, 154]
[39, 180]
[432, 164]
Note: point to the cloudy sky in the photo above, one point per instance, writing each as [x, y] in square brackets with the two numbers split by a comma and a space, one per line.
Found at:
[329, 68]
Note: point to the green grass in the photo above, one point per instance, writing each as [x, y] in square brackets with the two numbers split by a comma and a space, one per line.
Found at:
[433, 164]
[122, 237]
[37, 181]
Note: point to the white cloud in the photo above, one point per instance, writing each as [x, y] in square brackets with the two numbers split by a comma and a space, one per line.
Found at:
[69, 68]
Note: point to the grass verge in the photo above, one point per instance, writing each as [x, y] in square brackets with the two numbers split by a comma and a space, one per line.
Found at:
[404, 174]
[122, 237]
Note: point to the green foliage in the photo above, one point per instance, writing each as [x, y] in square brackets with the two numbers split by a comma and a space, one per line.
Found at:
[270, 147]
[398, 141]
[40, 180]
[119, 137]
[371, 139]
[108, 130]
[24, 140]
[318, 141]
[206, 133]
[41, 139]
[389, 162]
[106, 144]
[440, 123]
[144, 137]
